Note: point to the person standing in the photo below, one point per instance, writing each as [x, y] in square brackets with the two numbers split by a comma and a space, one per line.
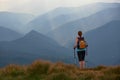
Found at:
[81, 46]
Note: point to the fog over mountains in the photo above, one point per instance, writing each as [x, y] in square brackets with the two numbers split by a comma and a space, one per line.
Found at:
[96, 20]
[25, 38]
[15, 21]
[60, 16]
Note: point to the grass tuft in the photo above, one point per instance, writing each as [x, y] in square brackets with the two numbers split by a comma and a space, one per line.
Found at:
[45, 70]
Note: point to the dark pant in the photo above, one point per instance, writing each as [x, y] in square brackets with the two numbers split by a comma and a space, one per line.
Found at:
[81, 55]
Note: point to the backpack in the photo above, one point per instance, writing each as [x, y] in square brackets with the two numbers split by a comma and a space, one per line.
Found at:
[81, 43]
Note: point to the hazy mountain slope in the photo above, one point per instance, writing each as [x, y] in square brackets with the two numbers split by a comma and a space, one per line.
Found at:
[65, 33]
[14, 21]
[53, 19]
[8, 35]
[104, 44]
[30, 47]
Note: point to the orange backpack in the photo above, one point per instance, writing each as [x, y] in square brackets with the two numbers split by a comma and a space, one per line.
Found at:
[81, 43]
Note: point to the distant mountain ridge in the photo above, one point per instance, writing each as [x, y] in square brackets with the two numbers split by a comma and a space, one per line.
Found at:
[8, 35]
[31, 47]
[15, 21]
[68, 30]
[54, 19]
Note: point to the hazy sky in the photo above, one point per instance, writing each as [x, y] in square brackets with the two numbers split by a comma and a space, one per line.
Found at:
[41, 6]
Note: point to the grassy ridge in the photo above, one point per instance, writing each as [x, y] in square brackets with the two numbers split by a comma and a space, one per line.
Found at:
[43, 70]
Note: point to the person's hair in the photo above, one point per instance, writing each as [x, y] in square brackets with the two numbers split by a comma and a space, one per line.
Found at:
[80, 33]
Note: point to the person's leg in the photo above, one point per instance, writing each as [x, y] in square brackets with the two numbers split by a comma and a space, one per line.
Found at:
[81, 67]
[82, 62]
[81, 56]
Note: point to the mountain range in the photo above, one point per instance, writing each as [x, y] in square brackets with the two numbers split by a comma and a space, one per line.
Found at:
[51, 36]
[65, 33]
[51, 20]
[54, 19]
[30, 47]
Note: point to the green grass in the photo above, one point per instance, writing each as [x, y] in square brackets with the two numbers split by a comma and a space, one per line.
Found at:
[44, 70]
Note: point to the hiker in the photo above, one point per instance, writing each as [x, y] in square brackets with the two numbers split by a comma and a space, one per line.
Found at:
[81, 46]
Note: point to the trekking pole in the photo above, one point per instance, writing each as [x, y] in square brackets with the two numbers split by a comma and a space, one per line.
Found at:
[86, 61]
[75, 58]
[86, 65]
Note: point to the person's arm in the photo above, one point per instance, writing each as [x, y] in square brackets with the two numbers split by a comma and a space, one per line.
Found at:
[86, 52]
[85, 42]
[76, 41]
